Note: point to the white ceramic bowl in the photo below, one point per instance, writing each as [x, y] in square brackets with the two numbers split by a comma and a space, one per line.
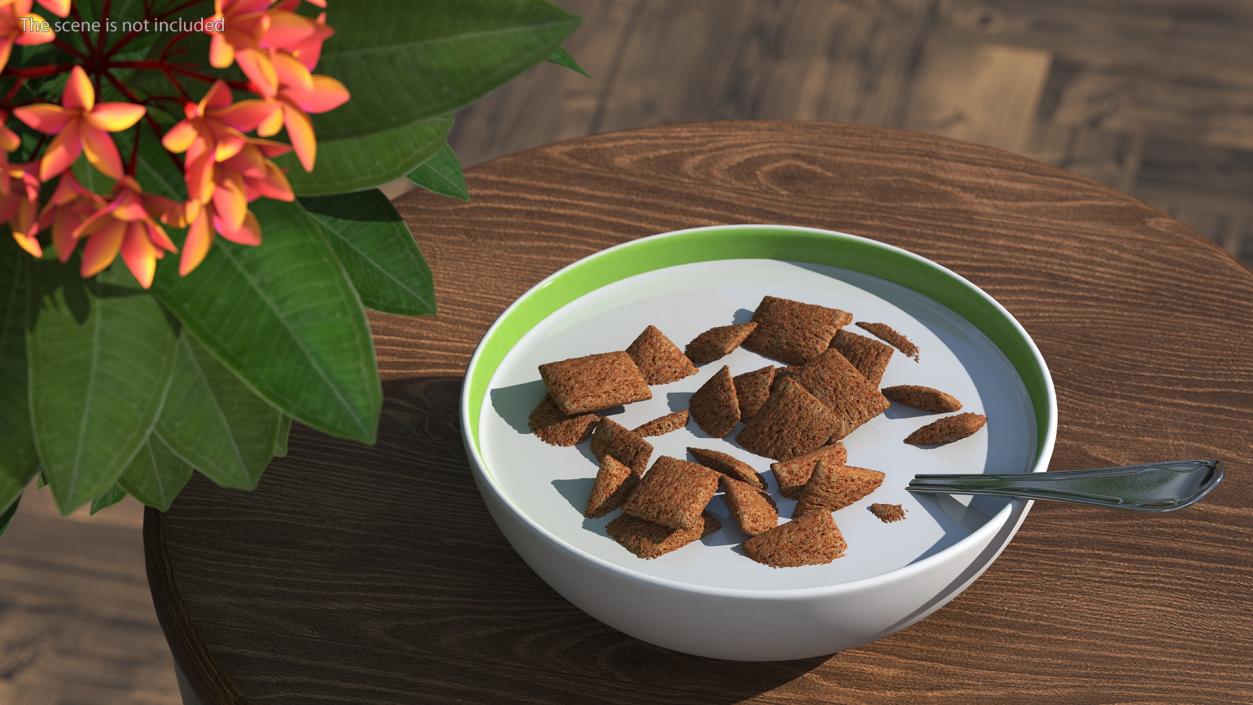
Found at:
[708, 598]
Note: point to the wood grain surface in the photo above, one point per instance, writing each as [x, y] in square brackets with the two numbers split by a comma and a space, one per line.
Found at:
[375, 575]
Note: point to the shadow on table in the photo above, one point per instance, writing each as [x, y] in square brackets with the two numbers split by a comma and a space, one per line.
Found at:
[413, 573]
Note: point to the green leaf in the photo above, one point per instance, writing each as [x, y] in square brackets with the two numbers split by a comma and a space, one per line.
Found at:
[18, 460]
[404, 61]
[280, 438]
[6, 515]
[108, 499]
[377, 250]
[92, 179]
[561, 57]
[441, 173]
[284, 318]
[367, 161]
[99, 357]
[214, 422]
[156, 475]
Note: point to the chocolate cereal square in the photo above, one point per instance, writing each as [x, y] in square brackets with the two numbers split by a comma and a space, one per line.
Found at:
[868, 355]
[718, 342]
[834, 381]
[614, 481]
[791, 422]
[558, 429]
[659, 359]
[948, 429]
[728, 465]
[662, 425]
[833, 487]
[752, 389]
[792, 331]
[648, 540]
[922, 398]
[714, 407]
[812, 539]
[793, 473]
[594, 382]
[753, 509]
[622, 444]
[673, 493]
[890, 335]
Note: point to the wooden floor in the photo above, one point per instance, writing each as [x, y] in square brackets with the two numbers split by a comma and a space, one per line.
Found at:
[1154, 97]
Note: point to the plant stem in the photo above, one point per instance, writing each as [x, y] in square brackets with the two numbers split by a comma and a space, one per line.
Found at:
[173, 10]
[176, 68]
[117, 46]
[104, 16]
[177, 86]
[37, 71]
[135, 151]
[69, 49]
[12, 92]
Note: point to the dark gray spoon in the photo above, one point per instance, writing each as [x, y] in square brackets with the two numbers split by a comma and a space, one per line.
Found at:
[1154, 487]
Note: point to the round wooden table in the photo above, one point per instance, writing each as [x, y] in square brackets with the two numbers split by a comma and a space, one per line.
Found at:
[375, 575]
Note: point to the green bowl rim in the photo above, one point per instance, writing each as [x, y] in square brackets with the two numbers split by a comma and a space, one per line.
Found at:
[752, 241]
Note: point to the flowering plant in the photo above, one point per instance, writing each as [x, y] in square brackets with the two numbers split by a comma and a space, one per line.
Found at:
[189, 190]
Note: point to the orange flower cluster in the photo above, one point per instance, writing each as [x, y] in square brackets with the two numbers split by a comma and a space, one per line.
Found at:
[21, 27]
[225, 166]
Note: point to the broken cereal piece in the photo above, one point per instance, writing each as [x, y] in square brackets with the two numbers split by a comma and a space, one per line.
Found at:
[621, 443]
[714, 406]
[662, 425]
[793, 473]
[833, 380]
[889, 335]
[728, 465]
[833, 487]
[753, 509]
[659, 359]
[614, 481]
[673, 493]
[887, 513]
[792, 331]
[717, 342]
[752, 389]
[947, 429]
[813, 539]
[923, 398]
[791, 422]
[868, 355]
[555, 428]
[648, 540]
[594, 382]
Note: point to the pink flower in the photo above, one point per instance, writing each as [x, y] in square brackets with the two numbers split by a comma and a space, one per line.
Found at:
[127, 224]
[69, 207]
[19, 26]
[81, 126]
[19, 205]
[250, 29]
[236, 183]
[295, 104]
[9, 142]
[215, 125]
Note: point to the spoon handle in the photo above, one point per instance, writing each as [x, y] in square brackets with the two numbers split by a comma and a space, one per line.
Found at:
[1154, 487]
